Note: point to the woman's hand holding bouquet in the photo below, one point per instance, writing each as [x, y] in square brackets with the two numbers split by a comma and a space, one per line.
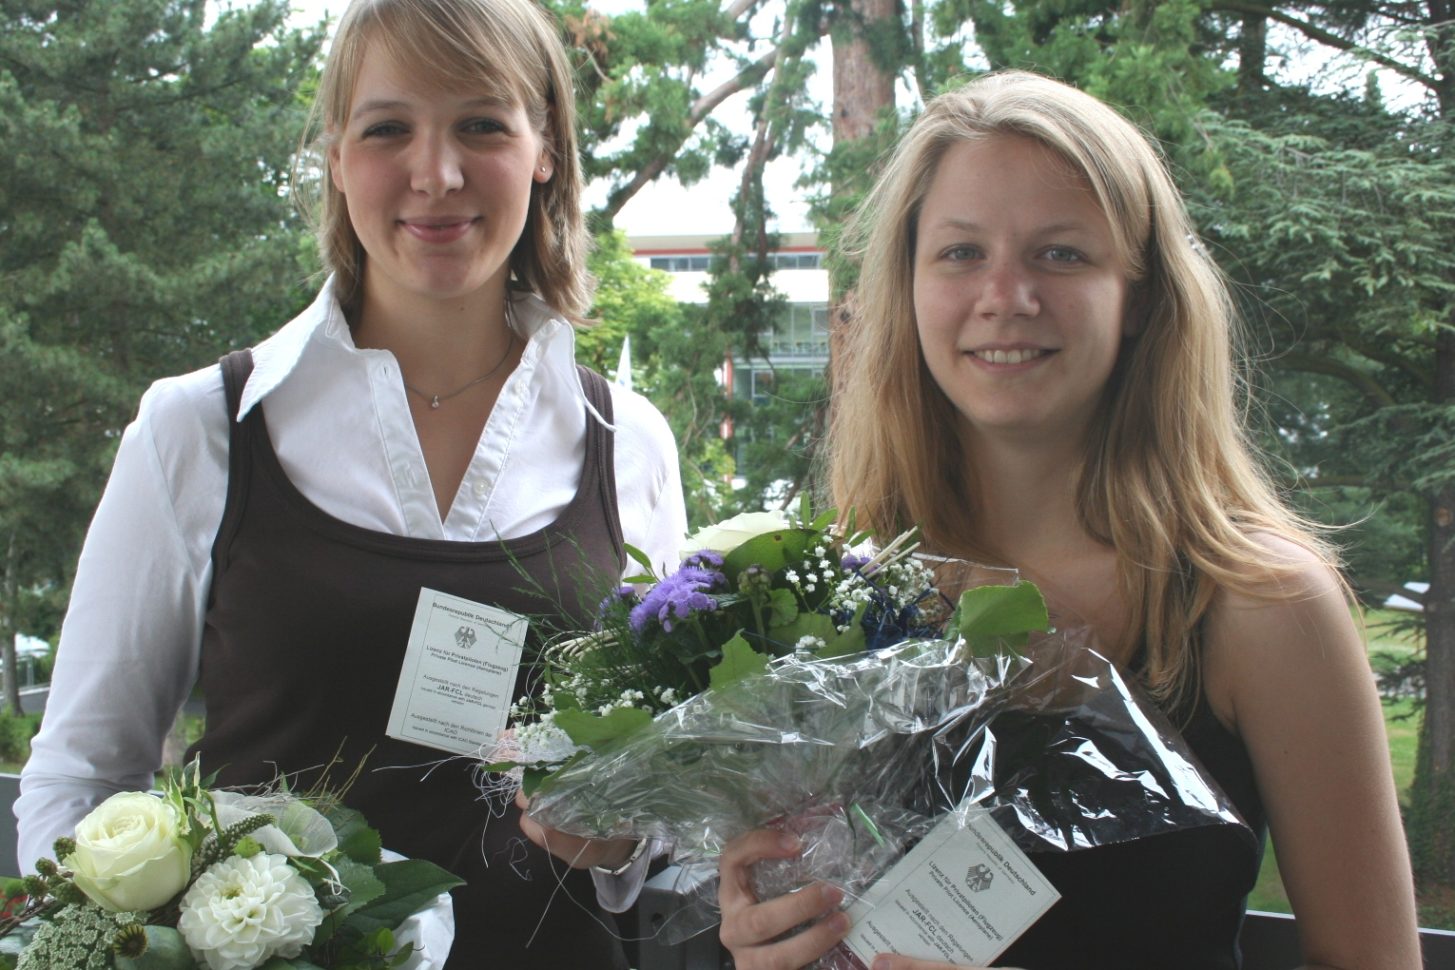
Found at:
[786, 684]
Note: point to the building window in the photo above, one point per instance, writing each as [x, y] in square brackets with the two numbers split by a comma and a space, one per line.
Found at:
[796, 260]
[682, 264]
[802, 331]
[701, 263]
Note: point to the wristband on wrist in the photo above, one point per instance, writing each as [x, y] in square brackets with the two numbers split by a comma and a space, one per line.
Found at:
[631, 860]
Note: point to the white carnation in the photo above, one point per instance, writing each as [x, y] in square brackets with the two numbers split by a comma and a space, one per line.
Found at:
[242, 912]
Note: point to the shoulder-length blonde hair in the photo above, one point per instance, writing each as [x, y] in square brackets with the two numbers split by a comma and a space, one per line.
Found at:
[508, 47]
[1169, 479]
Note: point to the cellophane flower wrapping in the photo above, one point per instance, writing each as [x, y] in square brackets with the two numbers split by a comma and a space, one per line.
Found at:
[755, 587]
[860, 756]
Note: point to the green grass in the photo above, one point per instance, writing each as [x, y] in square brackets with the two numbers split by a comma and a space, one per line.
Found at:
[1403, 729]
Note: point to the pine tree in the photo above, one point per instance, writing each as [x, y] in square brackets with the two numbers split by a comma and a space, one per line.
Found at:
[145, 158]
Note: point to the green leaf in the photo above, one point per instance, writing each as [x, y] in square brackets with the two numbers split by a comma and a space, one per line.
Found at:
[641, 559]
[355, 839]
[363, 885]
[845, 644]
[993, 617]
[594, 730]
[782, 606]
[738, 661]
[410, 886]
[771, 550]
[824, 520]
[804, 625]
[532, 778]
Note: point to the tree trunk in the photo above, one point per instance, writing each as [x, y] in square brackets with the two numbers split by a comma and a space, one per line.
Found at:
[1252, 54]
[1431, 822]
[863, 88]
[12, 681]
[9, 677]
[1432, 796]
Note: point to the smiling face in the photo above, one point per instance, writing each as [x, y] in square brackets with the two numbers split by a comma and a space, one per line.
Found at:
[1020, 293]
[437, 184]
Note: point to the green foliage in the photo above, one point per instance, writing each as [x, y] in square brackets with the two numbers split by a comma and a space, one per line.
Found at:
[630, 299]
[1427, 820]
[595, 730]
[16, 731]
[738, 661]
[647, 110]
[992, 618]
[146, 229]
[1345, 260]
[675, 357]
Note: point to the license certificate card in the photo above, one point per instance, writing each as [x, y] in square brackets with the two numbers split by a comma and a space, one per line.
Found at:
[455, 686]
[962, 895]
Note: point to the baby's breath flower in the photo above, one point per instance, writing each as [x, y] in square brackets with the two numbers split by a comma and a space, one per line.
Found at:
[543, 743]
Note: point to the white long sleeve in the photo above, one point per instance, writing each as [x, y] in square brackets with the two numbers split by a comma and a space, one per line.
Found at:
[340, 425]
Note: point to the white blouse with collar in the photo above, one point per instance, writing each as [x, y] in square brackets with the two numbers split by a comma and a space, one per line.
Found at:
[341, 426]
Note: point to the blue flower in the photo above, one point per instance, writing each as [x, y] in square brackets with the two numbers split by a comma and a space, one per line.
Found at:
[677, 597]
[623, 594]
[706, 559]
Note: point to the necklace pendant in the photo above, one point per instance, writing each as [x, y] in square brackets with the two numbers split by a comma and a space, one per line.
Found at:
[435, 403]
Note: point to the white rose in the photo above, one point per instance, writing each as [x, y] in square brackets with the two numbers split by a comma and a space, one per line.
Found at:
[130, 855]
[241, 913]
[728, 534]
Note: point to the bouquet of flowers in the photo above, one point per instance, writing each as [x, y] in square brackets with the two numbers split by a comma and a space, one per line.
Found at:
[195, 878]
[862, 756]
[777, 679]
[755, 587]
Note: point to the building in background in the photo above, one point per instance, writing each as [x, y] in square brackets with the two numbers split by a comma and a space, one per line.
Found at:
[800, 342]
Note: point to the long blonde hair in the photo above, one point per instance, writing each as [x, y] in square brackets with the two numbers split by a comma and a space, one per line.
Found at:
[1169, 479]
[510, 47]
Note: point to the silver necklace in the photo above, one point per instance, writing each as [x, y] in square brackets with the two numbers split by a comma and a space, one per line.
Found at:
[435, 399]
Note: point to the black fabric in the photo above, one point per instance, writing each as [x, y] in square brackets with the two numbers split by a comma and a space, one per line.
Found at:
[306, 626]
[1171, 901]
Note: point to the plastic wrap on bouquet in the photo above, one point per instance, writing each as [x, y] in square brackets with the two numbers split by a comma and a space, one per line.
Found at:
[770, 744]
[861, 756]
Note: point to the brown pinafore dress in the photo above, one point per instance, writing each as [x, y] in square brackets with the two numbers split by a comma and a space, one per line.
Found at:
[306, 626]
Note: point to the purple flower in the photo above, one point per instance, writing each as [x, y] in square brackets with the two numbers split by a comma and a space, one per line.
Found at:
[677, 597]
[623, 594]
[706, 559]
[853, 563]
